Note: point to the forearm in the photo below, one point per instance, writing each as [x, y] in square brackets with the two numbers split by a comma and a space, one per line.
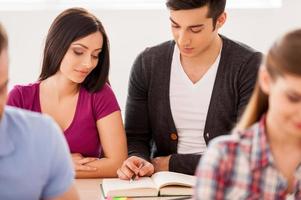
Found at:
[184, 163]
[140, 149]
[105, 167]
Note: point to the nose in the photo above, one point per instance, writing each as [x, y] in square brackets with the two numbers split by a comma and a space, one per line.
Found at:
[184, 39]
[87, 61]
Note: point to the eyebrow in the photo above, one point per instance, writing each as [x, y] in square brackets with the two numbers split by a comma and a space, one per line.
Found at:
[84, 46]
[192, 26]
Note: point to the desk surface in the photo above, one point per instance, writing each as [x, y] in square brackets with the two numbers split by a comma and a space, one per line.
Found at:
[88, 189]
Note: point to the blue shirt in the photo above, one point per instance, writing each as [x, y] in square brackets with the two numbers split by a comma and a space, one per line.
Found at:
[35, 162]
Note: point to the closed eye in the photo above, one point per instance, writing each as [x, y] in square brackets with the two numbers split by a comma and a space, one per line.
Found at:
[196, 29]
[95, 56]
[293, 99]
[78, 53]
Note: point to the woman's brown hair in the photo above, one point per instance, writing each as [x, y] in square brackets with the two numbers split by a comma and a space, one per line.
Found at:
[3, 39]
[71, 25]
[284, 57]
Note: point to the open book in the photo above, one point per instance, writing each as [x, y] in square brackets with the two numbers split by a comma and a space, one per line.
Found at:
[159, 184]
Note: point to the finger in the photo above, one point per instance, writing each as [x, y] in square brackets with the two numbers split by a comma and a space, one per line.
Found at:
[121, 175]
[135, 163]
[86, 160]
[85, 168]
[127, 172]
[136, 160]
[146, 170]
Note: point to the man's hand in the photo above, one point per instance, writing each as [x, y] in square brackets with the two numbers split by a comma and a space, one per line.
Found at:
[135, 165]
[161, 163]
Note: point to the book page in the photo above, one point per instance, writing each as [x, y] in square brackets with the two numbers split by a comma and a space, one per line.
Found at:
[162, 179]
[144, 186]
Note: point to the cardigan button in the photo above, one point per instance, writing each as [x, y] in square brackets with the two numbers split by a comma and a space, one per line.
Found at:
[207, 135]
[173, 136]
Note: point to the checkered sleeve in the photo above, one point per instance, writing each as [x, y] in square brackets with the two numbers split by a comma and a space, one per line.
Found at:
[213, 172]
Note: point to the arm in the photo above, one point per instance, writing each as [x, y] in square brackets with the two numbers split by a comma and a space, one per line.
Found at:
[112, 137]
[59, 183]
[15, 98]
[181, 163]
[212, 174]
[137, 125]
[247, 80]
[184, 163]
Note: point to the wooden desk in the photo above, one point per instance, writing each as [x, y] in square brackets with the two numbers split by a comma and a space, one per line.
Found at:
[88, 189]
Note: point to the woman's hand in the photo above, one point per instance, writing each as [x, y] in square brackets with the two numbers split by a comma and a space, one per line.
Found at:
[80, 162]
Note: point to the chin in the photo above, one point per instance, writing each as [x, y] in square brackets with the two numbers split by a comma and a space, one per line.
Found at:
[188, 55]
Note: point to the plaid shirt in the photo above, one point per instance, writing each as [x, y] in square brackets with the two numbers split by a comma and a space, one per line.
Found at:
[241, 166]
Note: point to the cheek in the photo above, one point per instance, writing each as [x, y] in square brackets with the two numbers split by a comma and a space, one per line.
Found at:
[203, 39]
[66, 65]
[280, 107]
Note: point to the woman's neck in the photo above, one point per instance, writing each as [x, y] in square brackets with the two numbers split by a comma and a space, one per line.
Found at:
[62, 86]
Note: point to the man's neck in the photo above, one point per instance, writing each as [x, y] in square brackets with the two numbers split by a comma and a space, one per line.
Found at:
[196, 67]
[206, 58]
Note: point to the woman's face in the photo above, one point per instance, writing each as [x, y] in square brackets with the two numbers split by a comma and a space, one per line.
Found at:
[284, 110]
[82, 57]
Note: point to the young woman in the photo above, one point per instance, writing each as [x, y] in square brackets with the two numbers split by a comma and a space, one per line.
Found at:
[262, 158]
[73, 88]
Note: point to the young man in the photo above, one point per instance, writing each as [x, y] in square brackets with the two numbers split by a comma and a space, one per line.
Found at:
[34, 158]
[185, 92]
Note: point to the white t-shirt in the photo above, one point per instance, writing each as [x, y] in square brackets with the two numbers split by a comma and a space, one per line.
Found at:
[189, 105]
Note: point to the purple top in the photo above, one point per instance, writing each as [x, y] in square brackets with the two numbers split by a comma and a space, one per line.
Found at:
[82, 134]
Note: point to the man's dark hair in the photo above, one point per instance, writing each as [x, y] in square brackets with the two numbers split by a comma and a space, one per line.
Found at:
[216, 7]
[71, 25]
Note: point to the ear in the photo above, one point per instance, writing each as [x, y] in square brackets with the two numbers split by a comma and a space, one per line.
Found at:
[265, 80]
[221, 20]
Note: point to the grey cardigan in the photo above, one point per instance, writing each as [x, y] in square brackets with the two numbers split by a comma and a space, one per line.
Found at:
[149, 125]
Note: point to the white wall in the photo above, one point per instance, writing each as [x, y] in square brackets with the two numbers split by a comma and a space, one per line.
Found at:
[130, 31]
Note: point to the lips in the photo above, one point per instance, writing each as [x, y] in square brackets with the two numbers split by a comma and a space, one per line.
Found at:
[187, 50]
[82, 72]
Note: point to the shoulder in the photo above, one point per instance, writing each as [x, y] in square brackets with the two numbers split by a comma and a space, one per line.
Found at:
[224, 142]
[26, 88]
[237, 47]
[238, 51]
[103, 102]
[152, 59]
[20, 91]
[237, 142]
[31, 124]
[104, 92]
[158, 51]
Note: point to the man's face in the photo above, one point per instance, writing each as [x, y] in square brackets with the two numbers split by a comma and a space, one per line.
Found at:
[3, 79]
[193, 31]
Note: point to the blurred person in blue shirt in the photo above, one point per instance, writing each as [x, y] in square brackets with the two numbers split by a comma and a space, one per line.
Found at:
[34, 157]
